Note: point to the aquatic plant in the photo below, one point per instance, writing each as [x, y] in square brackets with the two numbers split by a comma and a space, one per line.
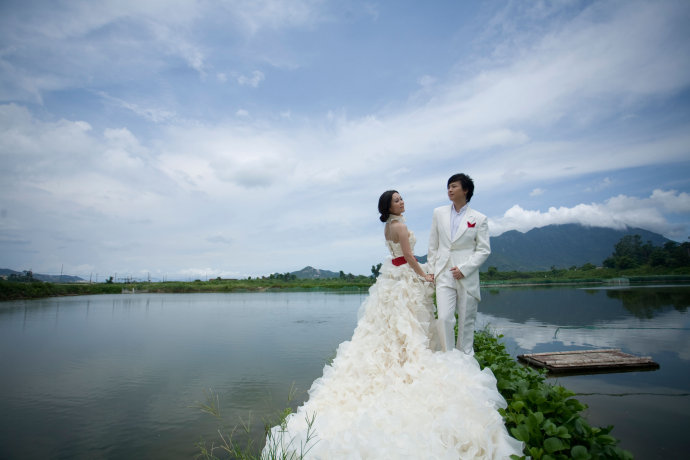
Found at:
[546, 417]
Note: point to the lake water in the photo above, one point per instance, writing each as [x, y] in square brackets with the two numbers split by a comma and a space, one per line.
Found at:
[650, 410]
[122, 376]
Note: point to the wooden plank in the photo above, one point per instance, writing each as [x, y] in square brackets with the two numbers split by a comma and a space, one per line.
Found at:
[588, 361]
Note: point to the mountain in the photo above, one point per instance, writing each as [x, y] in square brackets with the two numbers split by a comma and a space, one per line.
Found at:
[5, 272]
[561, 246]
[314, 273]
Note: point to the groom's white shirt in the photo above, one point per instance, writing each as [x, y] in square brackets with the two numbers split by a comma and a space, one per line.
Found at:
[468, 250]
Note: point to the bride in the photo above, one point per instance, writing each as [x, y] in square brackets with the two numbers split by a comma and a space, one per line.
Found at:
[388, 394]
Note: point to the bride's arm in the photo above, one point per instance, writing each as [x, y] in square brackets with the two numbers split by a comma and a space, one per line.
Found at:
[403, 236]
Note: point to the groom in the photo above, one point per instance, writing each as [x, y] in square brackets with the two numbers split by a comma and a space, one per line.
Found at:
[458, 246]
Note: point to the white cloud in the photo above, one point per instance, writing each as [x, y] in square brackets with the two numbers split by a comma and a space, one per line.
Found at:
[426, 80]
[537, 192]
[156, 115]
[605, 183]
[617, 212]
[253, 81]
[671, 200]
[257, 15]
[583, 70]
[76, 43]
[30, 148]
[68, 161]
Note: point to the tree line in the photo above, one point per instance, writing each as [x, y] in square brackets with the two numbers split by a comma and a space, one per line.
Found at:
[630, 252]
[630, 257]
[27, 276]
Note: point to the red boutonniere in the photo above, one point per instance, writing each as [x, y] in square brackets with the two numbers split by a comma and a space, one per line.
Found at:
[469, 225]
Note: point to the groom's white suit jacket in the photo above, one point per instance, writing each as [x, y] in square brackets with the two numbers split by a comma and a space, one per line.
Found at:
[467, 251]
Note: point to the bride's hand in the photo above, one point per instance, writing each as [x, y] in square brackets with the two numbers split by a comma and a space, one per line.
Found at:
[429, 278]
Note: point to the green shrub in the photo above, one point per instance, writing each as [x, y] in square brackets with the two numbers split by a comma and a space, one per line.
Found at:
[545, 417]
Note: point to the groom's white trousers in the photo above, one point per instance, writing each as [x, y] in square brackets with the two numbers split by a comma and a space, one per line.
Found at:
[451, 297]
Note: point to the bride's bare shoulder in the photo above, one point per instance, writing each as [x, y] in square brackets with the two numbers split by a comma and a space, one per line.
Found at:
[395, 230]
[397, 226]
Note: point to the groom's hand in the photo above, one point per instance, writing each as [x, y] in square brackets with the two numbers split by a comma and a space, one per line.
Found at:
[457, 274]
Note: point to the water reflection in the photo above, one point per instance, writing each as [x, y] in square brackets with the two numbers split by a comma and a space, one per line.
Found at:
[645, 302]
[648, 409]
[557, 319]
[521, 305]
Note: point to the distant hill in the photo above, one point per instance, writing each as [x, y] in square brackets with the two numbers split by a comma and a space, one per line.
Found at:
[4, 272]
[561, 246]
[539, 249]
[314, 273]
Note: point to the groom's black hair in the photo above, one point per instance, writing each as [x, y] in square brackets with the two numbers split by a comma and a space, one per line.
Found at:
[466, 183]
[385, 204]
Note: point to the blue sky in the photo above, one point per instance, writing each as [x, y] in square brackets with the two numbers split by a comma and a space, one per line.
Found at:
[194, 139]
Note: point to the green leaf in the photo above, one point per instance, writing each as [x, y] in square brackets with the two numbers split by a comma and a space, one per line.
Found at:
[534, 420]
[517, 406]
[553, 445]
[536, 452]
[579, 453]
[606, 439]
[536, 396]
[520, 432]
[563, 432]
[549, 428]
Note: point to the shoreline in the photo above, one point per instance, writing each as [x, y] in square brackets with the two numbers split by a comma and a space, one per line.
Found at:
[12, 290]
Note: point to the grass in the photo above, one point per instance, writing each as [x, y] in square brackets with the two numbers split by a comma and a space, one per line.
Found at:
[227, 446]
[12, 290]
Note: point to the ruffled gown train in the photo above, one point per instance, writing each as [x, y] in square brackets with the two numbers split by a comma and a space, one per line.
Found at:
[388, 395]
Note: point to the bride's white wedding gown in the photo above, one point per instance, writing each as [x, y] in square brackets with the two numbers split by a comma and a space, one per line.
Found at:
[387, 395]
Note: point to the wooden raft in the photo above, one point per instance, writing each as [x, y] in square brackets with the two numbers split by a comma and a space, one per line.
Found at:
[589, 361]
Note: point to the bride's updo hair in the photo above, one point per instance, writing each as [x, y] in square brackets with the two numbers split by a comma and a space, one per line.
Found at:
[385, 204]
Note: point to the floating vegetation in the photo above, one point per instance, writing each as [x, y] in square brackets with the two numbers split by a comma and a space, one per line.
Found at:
[546, 417]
